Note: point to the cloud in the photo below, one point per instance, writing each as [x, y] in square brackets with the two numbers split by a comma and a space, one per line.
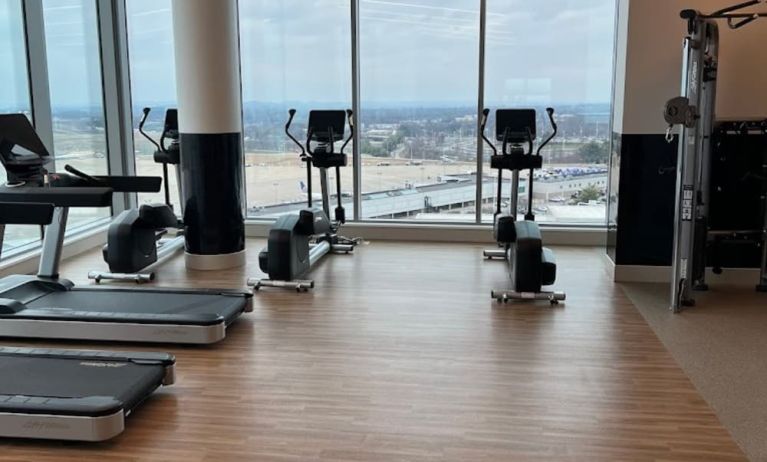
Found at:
[410, 51]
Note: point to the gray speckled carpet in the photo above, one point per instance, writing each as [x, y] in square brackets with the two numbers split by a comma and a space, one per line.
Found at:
[721, 344]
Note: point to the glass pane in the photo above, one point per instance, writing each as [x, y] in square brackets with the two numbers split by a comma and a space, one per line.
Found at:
[14, 96]
[556, 53]
[153, 84]
[295, 54]
[74, 73]
[419, 103]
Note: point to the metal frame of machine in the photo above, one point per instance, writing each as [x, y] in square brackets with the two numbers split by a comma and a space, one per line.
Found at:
[694, 112]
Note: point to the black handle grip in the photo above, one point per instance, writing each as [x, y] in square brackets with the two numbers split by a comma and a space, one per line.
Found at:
[483, 124]
[550, 112]
[291, 114]
[350, 117]
[144, 117]
[485, 114]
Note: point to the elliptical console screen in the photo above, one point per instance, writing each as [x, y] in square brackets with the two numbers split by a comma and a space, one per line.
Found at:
[321, 121]
[513, 124]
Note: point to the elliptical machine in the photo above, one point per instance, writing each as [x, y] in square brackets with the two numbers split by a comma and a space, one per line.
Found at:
[531, 266]
[137, 238]
[298, 241]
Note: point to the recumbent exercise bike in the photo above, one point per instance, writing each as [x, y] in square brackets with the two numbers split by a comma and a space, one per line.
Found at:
[298, 241]
[531, 266]
[137, 238]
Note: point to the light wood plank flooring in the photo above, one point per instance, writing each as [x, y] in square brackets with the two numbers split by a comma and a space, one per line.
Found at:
[400, 355]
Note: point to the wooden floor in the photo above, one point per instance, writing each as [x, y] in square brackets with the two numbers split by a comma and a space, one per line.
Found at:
[400, 355]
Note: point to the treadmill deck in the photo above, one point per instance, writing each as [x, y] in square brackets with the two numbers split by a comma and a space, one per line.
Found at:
[75, 394]
[118, 314]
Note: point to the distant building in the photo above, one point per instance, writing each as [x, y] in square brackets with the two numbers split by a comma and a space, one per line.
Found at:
[452, 194]
[379, 135]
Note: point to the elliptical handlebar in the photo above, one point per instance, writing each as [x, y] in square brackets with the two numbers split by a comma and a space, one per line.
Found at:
[173, 135]
[309, 133]
[332, 137]
[550, 112]
[350, 118]
[529, 140]
[482, 126]
[292, 113]
[141, 123]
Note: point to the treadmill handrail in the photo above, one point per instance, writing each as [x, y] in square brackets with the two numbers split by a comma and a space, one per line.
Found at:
[133, 356]
[58, 196]
[69, 315]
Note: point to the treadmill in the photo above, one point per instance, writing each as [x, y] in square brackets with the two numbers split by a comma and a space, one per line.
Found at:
[50, 307]
[71, 394]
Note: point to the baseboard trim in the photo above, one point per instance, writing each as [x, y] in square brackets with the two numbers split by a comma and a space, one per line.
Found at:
[662, 274]
[583, 237]
[214, 262]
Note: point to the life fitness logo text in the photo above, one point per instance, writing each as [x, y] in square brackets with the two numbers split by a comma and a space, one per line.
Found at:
[104, 365]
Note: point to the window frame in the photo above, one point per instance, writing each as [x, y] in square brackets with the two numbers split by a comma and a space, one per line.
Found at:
[354, 16]
[110, 24]
[119, 133]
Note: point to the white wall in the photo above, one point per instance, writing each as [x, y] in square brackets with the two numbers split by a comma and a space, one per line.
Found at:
[621, 44]
[654, 34]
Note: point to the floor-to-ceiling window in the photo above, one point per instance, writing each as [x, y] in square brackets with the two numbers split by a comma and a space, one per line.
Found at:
[294, 54]
[418, 94]
[76, 92]
[153, 84]
[14, 96]
[556, 53]
[419, 83]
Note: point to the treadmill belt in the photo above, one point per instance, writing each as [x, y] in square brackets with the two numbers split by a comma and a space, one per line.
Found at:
[127, 382]
[139, 302]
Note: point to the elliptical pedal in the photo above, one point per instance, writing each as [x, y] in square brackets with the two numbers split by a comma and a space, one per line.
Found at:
[138, 278]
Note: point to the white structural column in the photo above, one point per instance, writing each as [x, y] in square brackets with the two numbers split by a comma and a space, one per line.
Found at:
[210, 125]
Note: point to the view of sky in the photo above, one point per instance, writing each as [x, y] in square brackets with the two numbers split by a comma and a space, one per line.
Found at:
[72, 47]
[553, 51]
[422, 51]
[150, 35]
[14, 93]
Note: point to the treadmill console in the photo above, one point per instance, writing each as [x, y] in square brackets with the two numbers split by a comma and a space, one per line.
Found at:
[22, 152]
